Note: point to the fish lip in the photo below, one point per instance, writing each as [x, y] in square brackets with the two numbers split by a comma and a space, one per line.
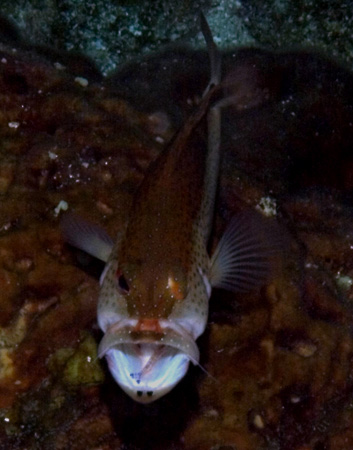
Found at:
[171, 335]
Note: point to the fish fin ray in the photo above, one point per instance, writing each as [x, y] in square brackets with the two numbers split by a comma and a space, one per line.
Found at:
[86, 236]
[245, 256]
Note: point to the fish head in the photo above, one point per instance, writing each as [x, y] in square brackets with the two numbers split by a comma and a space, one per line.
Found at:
[149, 337]
[135, 289]
[147, 364]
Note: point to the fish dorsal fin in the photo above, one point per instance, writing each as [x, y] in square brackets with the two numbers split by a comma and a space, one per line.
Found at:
[213, 52]
[245, 255]
[86, 236]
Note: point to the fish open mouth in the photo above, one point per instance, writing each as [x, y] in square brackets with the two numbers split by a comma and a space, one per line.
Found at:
[146, 371]
[147, 364]
[158, 352]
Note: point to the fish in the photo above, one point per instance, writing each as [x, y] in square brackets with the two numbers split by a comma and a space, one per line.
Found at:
[158, 276]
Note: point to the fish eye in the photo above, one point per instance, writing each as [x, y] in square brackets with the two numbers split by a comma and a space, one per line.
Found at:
[122, 283]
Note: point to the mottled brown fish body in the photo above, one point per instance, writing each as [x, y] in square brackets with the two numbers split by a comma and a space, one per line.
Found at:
[156, 252]
[156, 285]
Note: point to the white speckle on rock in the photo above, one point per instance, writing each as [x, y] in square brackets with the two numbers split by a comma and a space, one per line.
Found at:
[14, 124]
[259, 422]
[306, 349]
[344, 282]
[81, 81]
[52, 155]
[62, 206]
[59, 66]
[295, 399]
[268, 206]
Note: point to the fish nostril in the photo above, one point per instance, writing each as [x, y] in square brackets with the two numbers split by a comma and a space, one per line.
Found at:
[149, 393]
[139, 393]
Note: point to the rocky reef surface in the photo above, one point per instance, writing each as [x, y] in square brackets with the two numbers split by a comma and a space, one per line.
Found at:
[279, 360]
[113, 32]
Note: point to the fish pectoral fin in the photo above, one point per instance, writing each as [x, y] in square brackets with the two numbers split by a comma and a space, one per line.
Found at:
[86, 236]
[246, 254]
